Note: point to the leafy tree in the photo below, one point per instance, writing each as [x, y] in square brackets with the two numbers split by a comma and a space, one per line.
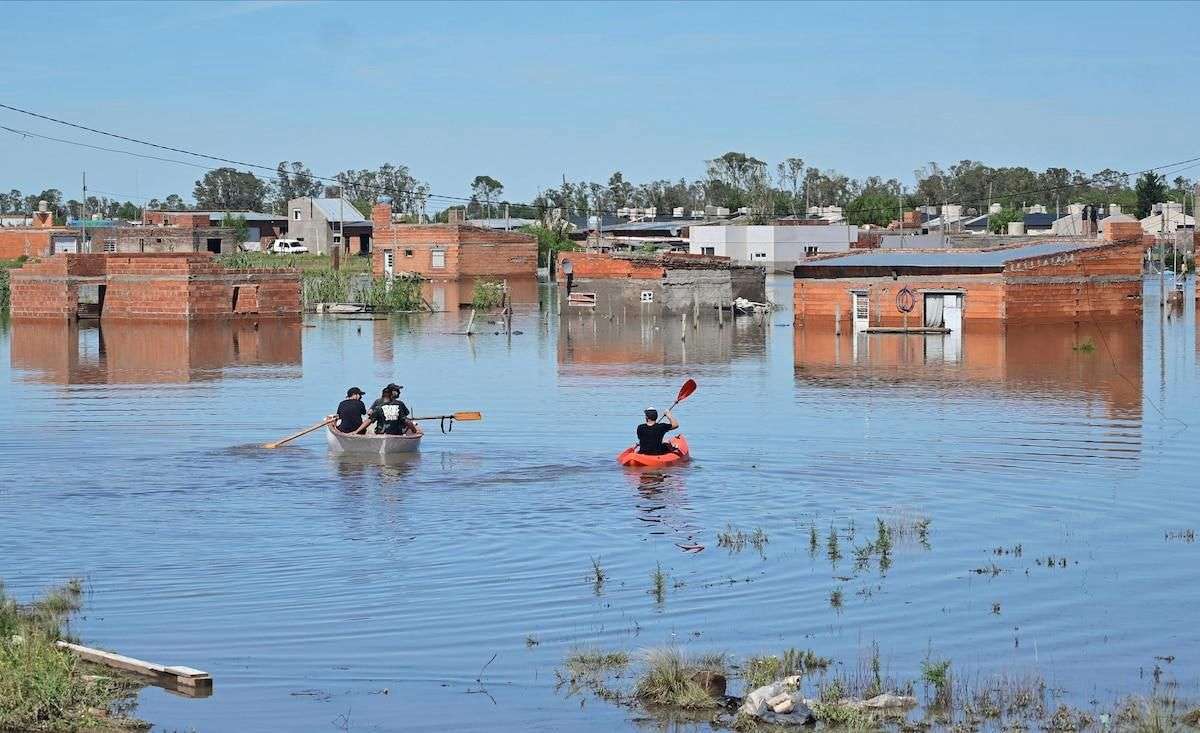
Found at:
[391, 183]
[620, 191]
[551, 240]
[293, 181]
[175, 202]
[1151, 189]
[227, 189]
[875, 207]
[998, 222]
[791, 176]
[484, 189]
[238, 225]
[129, 212]
[154, 205]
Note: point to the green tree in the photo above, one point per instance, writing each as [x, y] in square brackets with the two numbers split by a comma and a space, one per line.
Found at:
[620, 191]
[873, 208]
[293, 181]
[1151, 189]
[226, 189]
[129, 212]
[998, 222]
[551, 240]
[484, 189]
[238, 225]
[791, 178]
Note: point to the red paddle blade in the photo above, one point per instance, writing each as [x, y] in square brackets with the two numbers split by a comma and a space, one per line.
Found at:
[686, 390]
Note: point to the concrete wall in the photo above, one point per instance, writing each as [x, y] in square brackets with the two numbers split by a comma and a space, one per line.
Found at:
[775, 247]
[820, 301]
[749, 283]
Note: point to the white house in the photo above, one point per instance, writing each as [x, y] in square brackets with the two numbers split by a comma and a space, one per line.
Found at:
[774, 247]
[1167, 217]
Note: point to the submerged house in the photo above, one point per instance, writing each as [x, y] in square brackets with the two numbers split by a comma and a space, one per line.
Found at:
[655, 284]
[1040, 282]
[777, 248]
[449, 251]
[322, 224]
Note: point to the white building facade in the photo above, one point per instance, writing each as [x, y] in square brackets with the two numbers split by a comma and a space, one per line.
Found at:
[777, 248]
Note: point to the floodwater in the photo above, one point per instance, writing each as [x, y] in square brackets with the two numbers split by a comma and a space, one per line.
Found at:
[329, 594]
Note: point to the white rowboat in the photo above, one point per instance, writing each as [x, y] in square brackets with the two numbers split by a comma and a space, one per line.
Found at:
[372, 444]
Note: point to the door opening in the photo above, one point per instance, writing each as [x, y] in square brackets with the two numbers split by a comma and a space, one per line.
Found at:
[861, 303]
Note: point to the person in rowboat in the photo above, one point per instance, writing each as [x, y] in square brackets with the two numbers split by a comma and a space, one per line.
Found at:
[650, 434]
[390, 415]
[350, 411]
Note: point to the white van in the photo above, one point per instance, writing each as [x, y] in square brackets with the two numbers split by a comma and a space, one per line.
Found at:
[288, 247]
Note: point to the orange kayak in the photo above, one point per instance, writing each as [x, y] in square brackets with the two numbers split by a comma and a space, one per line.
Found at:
[630, 456]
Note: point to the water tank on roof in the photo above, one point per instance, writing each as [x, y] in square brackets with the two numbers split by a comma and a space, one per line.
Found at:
[43, 206]
[995, 209]
[1016, 227]
[677, 212]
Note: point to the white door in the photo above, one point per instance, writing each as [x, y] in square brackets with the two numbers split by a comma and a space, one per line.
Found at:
[66, 244]
[862, 310]
[389, 263]
[438, 261]
[952, 311]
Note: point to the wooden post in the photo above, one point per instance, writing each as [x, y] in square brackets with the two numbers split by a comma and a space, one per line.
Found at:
[720, 314]
[470, 321]
[683, 326]
[837, 320]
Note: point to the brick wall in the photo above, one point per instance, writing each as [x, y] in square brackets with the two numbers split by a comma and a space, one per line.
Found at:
[596, 266]
[153, 286]
[819, 301]
[469, 251]
[1103, 283]
[28, 242]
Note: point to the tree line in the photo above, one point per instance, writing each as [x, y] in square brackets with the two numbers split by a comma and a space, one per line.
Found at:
[734, 180]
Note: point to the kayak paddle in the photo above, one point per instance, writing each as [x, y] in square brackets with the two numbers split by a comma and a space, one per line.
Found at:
[684, 392]
[306, 431]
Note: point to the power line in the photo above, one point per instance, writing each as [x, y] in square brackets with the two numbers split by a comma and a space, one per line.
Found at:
[430, 195]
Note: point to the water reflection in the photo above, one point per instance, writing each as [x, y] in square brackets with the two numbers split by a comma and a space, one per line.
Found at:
[451, 295]
[612, 344]
[140, 353]
[1082, 361]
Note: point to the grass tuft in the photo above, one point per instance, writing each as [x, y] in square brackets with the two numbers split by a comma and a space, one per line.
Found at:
[658, 581]
[585, 662]
[668, 680]
[765, 669]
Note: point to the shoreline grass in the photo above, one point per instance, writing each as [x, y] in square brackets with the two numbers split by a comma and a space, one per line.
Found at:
[42, 687]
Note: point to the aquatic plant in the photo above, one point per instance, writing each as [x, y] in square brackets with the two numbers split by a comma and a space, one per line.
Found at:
[46, 688]
[936, 674]
[395, 295]
[813, 540]
[5, 290]
[737, 540]
[669, 680]
[658, 580]
[487, 294]
[765, 669]
[324, 286]
[831, 549]
[845, 717]
[835, 598]
[1085, 347]
[598, 575]
[590, 661]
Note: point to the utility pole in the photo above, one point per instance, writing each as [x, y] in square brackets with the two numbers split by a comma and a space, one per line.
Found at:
[1162, 258]
[83, 247]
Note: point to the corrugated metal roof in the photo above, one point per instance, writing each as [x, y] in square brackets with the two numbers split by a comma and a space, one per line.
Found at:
[944, 258]
[502, 223]
[334, 209]
[247, 215]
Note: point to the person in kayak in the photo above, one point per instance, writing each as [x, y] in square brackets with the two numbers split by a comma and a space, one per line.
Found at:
[650, 434]
[350, 411]
[389, 414]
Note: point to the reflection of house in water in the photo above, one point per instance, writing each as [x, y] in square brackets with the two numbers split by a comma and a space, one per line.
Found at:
[1077, 362]
[123, 352]
[598, 344]
[450, 295]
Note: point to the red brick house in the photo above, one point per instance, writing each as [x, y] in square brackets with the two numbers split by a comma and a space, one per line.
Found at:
[449, 251]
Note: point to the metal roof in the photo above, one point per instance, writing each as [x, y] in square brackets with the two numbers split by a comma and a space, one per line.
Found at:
[502, 223]
[935, 259]
[335, 208]
[247, 215]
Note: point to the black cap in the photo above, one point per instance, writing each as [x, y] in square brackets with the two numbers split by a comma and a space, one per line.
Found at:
[395, 387]
[354, 391]
[651, 413]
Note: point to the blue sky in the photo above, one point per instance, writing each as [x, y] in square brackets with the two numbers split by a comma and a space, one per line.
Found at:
[528, 92]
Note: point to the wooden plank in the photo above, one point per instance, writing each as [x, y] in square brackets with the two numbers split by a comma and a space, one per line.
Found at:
[185, 678]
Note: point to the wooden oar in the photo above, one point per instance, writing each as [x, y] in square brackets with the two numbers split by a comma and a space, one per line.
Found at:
[456, 416]
[306, 431]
